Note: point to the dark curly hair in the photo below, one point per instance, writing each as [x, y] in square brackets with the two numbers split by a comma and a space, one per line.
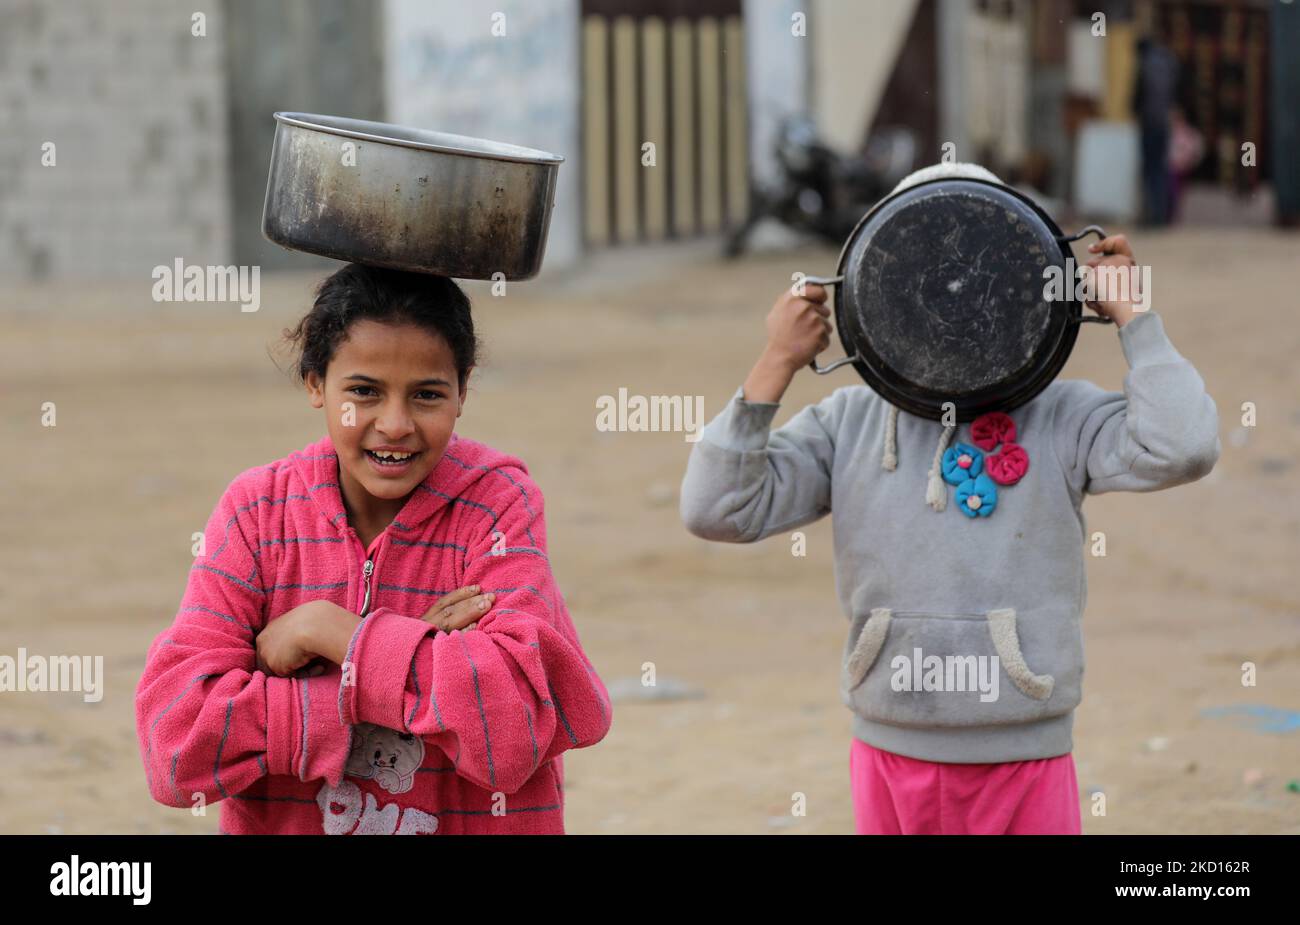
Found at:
[358, 291]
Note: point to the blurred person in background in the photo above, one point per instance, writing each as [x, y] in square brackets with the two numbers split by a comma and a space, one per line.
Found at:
[1154, 96]
[1186, 148]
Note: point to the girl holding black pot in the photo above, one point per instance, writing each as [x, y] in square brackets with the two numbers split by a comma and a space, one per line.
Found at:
[964, 660]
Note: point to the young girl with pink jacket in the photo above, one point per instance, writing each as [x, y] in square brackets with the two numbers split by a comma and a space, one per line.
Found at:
[372, 641]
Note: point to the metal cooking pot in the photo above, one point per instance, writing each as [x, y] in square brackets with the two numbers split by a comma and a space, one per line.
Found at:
[408, 198]
[940, 297]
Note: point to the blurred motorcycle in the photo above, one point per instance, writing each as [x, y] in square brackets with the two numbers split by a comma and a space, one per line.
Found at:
[821, 192]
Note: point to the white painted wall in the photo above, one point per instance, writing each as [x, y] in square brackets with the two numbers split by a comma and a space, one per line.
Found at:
[777, 69]
[855, 47]
[954, 25]
[444, 69]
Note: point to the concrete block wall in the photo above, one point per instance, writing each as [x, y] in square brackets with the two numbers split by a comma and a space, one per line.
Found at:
[135, 106]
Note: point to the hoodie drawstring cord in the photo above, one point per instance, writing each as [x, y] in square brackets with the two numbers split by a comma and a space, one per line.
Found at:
[890, 459]
[936, 492]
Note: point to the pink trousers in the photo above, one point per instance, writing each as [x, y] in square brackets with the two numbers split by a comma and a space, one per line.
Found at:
[896, 795]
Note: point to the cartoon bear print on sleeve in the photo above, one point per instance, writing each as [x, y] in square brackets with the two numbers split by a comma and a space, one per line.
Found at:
[389, 758]
[386, 756]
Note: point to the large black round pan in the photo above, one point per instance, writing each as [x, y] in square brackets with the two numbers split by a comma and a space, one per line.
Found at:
[941, 297]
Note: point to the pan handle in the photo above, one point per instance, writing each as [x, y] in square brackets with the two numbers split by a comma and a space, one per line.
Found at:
[1078, 235]
[1101, 234]
[823, 370]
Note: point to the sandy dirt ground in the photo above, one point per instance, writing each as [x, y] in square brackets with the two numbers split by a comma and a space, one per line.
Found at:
[158, 407]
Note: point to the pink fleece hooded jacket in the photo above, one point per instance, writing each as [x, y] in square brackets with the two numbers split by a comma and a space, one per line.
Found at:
[420, 731]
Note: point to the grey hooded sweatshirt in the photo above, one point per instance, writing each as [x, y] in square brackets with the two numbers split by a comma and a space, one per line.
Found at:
[964, 640]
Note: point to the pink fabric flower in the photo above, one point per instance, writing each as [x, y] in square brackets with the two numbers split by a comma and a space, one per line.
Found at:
[988, 430]
[1007, 466]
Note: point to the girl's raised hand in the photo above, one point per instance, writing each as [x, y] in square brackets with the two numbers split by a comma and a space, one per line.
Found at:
[459, 609]
[1114, 254]
[798, 326]
[1115, 244]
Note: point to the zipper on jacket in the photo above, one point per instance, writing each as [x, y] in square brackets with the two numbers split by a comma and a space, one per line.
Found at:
[367, 570]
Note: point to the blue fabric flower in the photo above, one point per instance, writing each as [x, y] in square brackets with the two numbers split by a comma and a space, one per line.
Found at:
[954, 473]
[977, 497]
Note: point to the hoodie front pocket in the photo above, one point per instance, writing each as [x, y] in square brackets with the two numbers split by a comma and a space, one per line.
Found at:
[947, 669]
[1002, 627]
[867, 648]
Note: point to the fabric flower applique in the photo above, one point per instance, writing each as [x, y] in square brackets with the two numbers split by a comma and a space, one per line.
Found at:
[961, 463]
[977, 497]
[1008, 466]
[977, 471]
[988, 430]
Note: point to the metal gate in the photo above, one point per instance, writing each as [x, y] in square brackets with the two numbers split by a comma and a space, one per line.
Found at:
[665, 133]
